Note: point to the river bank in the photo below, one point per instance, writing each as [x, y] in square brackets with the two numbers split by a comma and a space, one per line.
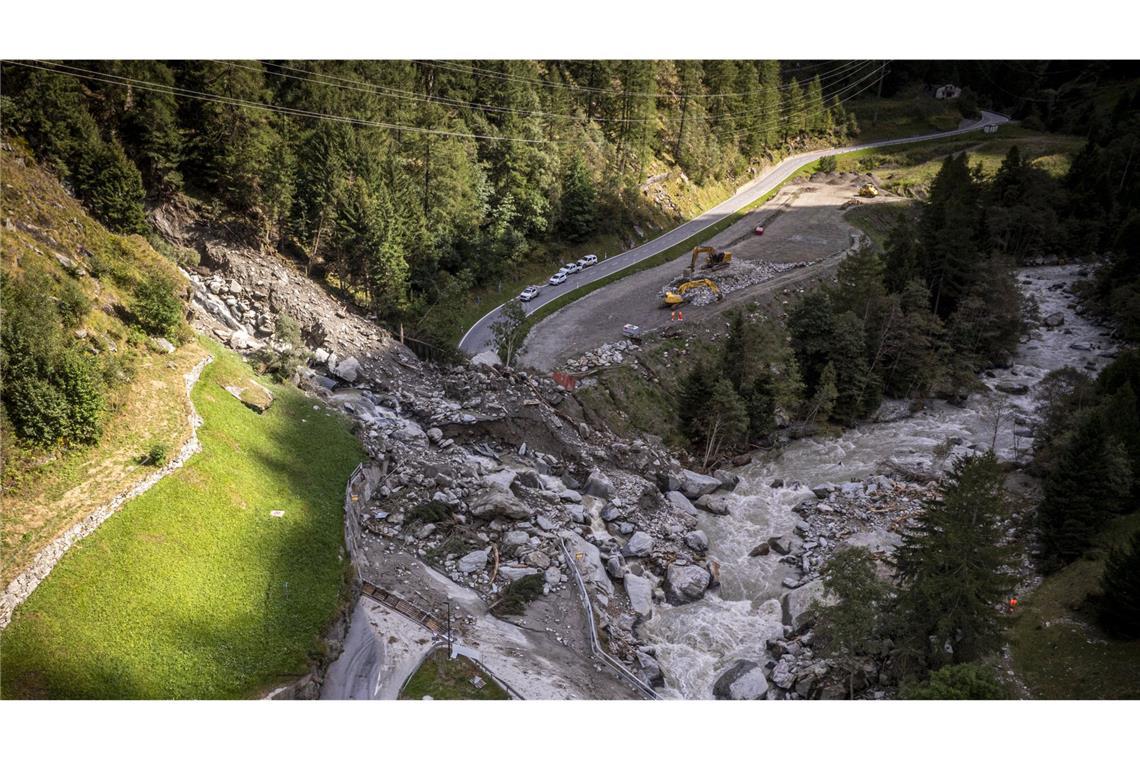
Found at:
[835, 482]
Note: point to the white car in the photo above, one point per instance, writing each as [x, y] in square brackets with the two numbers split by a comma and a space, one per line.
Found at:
[530, 292]
[557, 278]
[572, 268]
[589, 260]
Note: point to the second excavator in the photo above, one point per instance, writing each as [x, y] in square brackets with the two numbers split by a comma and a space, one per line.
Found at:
[714, 259]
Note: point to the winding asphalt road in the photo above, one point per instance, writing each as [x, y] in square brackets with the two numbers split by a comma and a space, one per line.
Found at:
[479, 337]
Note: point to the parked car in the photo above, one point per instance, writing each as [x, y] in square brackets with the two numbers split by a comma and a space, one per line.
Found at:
[588, 260]
[557, 278]
[759, 229]
[572, 268]
[530, 292]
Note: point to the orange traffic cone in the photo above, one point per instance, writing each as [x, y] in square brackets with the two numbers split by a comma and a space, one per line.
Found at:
[680, 316]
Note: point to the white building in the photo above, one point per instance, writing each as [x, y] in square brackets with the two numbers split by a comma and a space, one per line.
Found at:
[947, 92]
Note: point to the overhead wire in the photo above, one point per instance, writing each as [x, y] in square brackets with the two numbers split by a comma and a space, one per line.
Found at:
[368, 87]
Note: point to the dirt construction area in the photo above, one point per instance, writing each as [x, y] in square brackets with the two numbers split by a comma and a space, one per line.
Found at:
[805, 235]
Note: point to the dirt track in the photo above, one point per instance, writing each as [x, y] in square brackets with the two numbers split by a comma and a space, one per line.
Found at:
[803, 223]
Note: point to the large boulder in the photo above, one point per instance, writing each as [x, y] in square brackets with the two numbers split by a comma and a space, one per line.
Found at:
[486, 358]
[650, 669]
[697, 541]
[640, 591]
[501, 480]
[716, 504]
[728, 480]
[669, 481]
[696, 485]
[797, 604]
[589, 561]
[348, 370]
[473, 562]
[687, 583]
[514, 572]
[681, 503]
[639, 545]
[494, 503]
[744, 680]
[599, 485]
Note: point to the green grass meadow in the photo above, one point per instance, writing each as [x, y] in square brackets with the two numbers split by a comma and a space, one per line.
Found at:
[193, 590]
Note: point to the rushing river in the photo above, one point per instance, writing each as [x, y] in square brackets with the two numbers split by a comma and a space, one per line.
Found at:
[696, 642]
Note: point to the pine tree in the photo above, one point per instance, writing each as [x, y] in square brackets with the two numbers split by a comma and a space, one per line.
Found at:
[693, 399]
[902, 255]
[724, 422]
[796, 117]
[844, 629]
[760, 401]
[578, 213]
[770, 102]
[816, 120]
[860, 288]
[949, 253]
[823, 402]
[1118, 605]
[858, 391]
[1088, 484]
[953, 569]
[811, 324]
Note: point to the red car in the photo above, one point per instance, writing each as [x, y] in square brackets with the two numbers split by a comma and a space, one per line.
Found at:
[759, 229]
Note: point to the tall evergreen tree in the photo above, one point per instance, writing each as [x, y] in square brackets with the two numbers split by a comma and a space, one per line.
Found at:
[1118, 604]
[1088, 484]
[953, 569]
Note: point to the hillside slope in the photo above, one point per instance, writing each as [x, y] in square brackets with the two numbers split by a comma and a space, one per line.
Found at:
[86, 282]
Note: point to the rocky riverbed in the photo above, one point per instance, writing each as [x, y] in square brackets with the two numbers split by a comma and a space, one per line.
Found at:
[793, 507]
[700, 584]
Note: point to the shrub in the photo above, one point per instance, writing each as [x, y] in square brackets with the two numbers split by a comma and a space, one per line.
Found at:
[73, 303]
[157, 307]
[520, 593]
[429, 512]
[53, 391]
[966, 681]
[156, 454]
[828, 164]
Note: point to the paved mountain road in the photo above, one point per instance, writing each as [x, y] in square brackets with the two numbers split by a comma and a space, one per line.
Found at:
[479, 337]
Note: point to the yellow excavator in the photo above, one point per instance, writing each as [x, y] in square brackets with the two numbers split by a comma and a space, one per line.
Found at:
[676, 296]
[868, 191]
[714, 259]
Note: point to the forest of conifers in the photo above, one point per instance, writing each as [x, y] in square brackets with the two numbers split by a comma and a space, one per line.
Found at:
[410, 182]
